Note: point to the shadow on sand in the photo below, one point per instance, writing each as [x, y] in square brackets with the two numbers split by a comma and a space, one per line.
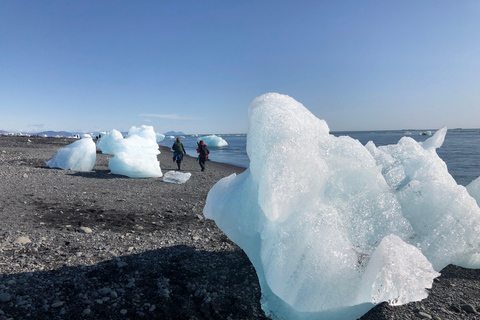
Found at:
[177, 282]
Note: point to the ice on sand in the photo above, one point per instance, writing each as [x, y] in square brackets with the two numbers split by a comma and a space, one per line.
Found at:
[77, 156]
[176, 177]
[334, 231]
[135, 156]
[109, 140]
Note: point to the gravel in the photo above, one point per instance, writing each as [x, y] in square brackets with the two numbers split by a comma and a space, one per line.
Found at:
[93, 245]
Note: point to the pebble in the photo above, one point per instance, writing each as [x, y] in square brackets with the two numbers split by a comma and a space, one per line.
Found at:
[22, 240]
[468, 308]
[424, 315]
[104, 291]
[86, 311]
[58, 304]
[123, 311]
[85, 230]
[5, 297]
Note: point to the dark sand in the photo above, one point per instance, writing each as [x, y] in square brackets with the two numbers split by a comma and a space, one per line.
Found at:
[151, 253]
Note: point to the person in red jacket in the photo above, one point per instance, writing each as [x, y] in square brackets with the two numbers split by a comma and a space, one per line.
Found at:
[203, 152]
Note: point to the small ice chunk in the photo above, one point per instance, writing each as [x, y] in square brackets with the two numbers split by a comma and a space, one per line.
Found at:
[77, 156]
[176, 177]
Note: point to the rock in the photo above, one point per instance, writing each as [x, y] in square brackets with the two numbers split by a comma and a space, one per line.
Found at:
[5, 297]
[87, 311]
[123, 311]
[468, 308]
[84, 230]
[57, 304]
[423, 315]
[25, 175]
[104, 291]
[121, 264]
[22, 240]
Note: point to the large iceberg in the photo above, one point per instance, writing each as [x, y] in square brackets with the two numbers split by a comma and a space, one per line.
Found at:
[135, 156]
[77, 156]
[333, 227]
[213, 141]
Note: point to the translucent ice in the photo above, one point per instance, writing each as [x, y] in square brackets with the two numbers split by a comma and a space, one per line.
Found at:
[160, 137]
[176, 177]
[108, 141]
[333, 227]
[474, 189]
[77, 156]
[444, 217]
[213, 141]
[136, 155]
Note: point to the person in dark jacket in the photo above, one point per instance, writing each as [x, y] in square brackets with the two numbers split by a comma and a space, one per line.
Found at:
[178, 152]
[203, 152]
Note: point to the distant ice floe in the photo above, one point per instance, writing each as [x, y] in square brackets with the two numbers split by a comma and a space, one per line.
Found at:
[77, 156]
[176, 177]
[336, 230]
[160, 137]
[213, 141]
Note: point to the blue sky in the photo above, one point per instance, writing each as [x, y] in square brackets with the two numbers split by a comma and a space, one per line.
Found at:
[195, 66]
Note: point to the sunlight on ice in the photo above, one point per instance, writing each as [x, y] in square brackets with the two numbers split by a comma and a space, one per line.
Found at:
[77, 156]
[135, 156]
[176, 177]
[213, 141]
[328, 223]
[109, 140]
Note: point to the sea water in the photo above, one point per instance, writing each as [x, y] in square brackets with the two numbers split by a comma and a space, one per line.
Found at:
[460, 151]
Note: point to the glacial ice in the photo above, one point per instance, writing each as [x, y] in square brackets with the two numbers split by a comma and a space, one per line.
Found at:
[176, 177]
[135, 156]
[77, 156]
[333, 227]
[474, 189]
[213, 141]
[108, 141]
[160, 137]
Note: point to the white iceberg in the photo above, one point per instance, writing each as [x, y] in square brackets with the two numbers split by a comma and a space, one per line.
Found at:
[176, 177]
[136, 155]
[213, 141]
[108, 141]
[336, 229]
[77, 156]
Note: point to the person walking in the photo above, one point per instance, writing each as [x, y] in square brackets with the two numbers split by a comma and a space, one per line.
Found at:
[178, 152]
[203, 152]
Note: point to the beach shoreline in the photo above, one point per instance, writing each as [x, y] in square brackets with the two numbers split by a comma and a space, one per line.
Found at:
[151, 253]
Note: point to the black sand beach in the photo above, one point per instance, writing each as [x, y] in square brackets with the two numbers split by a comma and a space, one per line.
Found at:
[150, 253]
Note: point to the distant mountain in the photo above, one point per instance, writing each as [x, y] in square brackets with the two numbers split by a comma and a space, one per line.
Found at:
[55, 133]
[174, 133]
[3, 131]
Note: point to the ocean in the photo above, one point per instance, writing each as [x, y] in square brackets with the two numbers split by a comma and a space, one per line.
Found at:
[460, 151]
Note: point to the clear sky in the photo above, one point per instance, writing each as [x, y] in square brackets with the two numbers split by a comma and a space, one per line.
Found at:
[195, 66]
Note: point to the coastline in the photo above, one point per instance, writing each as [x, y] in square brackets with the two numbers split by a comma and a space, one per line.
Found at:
[151, 253]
